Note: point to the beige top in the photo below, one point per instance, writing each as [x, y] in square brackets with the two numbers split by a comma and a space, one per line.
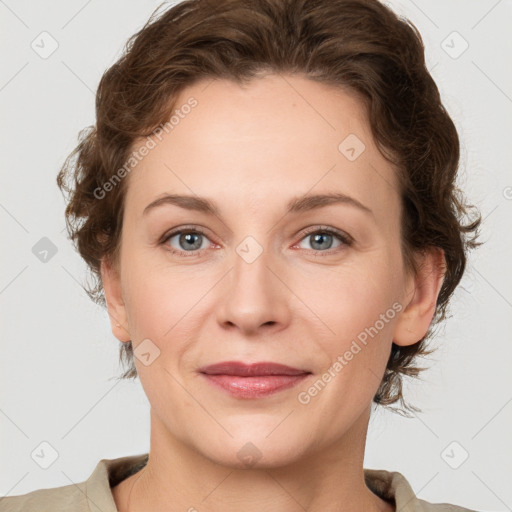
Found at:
[95, 495]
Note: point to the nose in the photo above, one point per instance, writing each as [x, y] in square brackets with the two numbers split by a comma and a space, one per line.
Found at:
[254, 295]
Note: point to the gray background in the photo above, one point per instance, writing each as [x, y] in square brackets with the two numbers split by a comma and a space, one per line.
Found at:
[58, 354]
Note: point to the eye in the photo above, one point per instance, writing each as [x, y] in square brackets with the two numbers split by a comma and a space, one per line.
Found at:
[322, 239]
[186, 240]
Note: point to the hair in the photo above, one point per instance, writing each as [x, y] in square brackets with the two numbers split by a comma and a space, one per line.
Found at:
[360, 46]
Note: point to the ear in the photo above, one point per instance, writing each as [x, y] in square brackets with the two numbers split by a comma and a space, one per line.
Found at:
[113, 295]
[420, 298]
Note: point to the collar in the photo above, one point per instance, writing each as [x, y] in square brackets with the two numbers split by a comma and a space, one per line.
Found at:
[388, 485]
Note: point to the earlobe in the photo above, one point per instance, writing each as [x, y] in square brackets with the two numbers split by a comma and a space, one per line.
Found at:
[421, 298]
[115, 304]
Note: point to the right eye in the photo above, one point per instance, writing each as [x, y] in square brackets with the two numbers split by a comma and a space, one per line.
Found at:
[186, 240]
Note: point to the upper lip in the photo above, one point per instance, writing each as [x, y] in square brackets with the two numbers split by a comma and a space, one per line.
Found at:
[250, 370]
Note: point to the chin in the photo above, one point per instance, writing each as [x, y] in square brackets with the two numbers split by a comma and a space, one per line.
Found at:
[255, 449]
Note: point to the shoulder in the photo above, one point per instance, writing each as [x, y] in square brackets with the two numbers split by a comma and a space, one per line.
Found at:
[68, 497]
[392, 485]
[92, 495]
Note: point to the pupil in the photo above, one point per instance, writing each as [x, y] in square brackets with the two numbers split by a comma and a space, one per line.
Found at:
[318, 239]
[188, 239]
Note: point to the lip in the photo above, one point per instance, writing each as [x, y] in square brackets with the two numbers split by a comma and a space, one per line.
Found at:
[250, 381]
[250, 370]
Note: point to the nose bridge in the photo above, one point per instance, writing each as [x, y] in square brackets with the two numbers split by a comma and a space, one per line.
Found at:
[251, 261]
[253, 296]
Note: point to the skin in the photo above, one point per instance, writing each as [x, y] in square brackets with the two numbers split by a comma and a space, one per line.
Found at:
[250, 150]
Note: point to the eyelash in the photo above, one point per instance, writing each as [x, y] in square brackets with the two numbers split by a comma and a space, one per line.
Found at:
[344, 238]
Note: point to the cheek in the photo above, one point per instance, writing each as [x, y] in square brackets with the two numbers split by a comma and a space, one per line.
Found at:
[165, 304]
[355, 294]
[361, 310]
[153, 301]
[359, 305]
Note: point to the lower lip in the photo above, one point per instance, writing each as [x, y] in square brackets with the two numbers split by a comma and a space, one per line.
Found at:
[254, 387]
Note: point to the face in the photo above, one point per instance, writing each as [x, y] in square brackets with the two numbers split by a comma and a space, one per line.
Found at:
[316, 285]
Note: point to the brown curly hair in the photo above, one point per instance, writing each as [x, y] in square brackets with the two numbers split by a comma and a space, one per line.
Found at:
[359, 45]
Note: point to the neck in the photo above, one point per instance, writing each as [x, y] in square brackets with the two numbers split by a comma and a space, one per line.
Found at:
[178, 478]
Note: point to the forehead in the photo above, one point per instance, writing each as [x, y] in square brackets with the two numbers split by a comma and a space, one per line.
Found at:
[273, 138]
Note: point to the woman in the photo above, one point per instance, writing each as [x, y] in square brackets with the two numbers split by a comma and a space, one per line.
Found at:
[233, 140]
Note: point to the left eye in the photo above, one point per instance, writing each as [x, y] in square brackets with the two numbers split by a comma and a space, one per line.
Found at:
[323, 240]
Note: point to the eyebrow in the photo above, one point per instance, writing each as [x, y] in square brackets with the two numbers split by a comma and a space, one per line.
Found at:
[296, 205]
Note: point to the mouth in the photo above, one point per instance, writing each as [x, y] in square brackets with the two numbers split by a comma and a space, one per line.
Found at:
[250, 381]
